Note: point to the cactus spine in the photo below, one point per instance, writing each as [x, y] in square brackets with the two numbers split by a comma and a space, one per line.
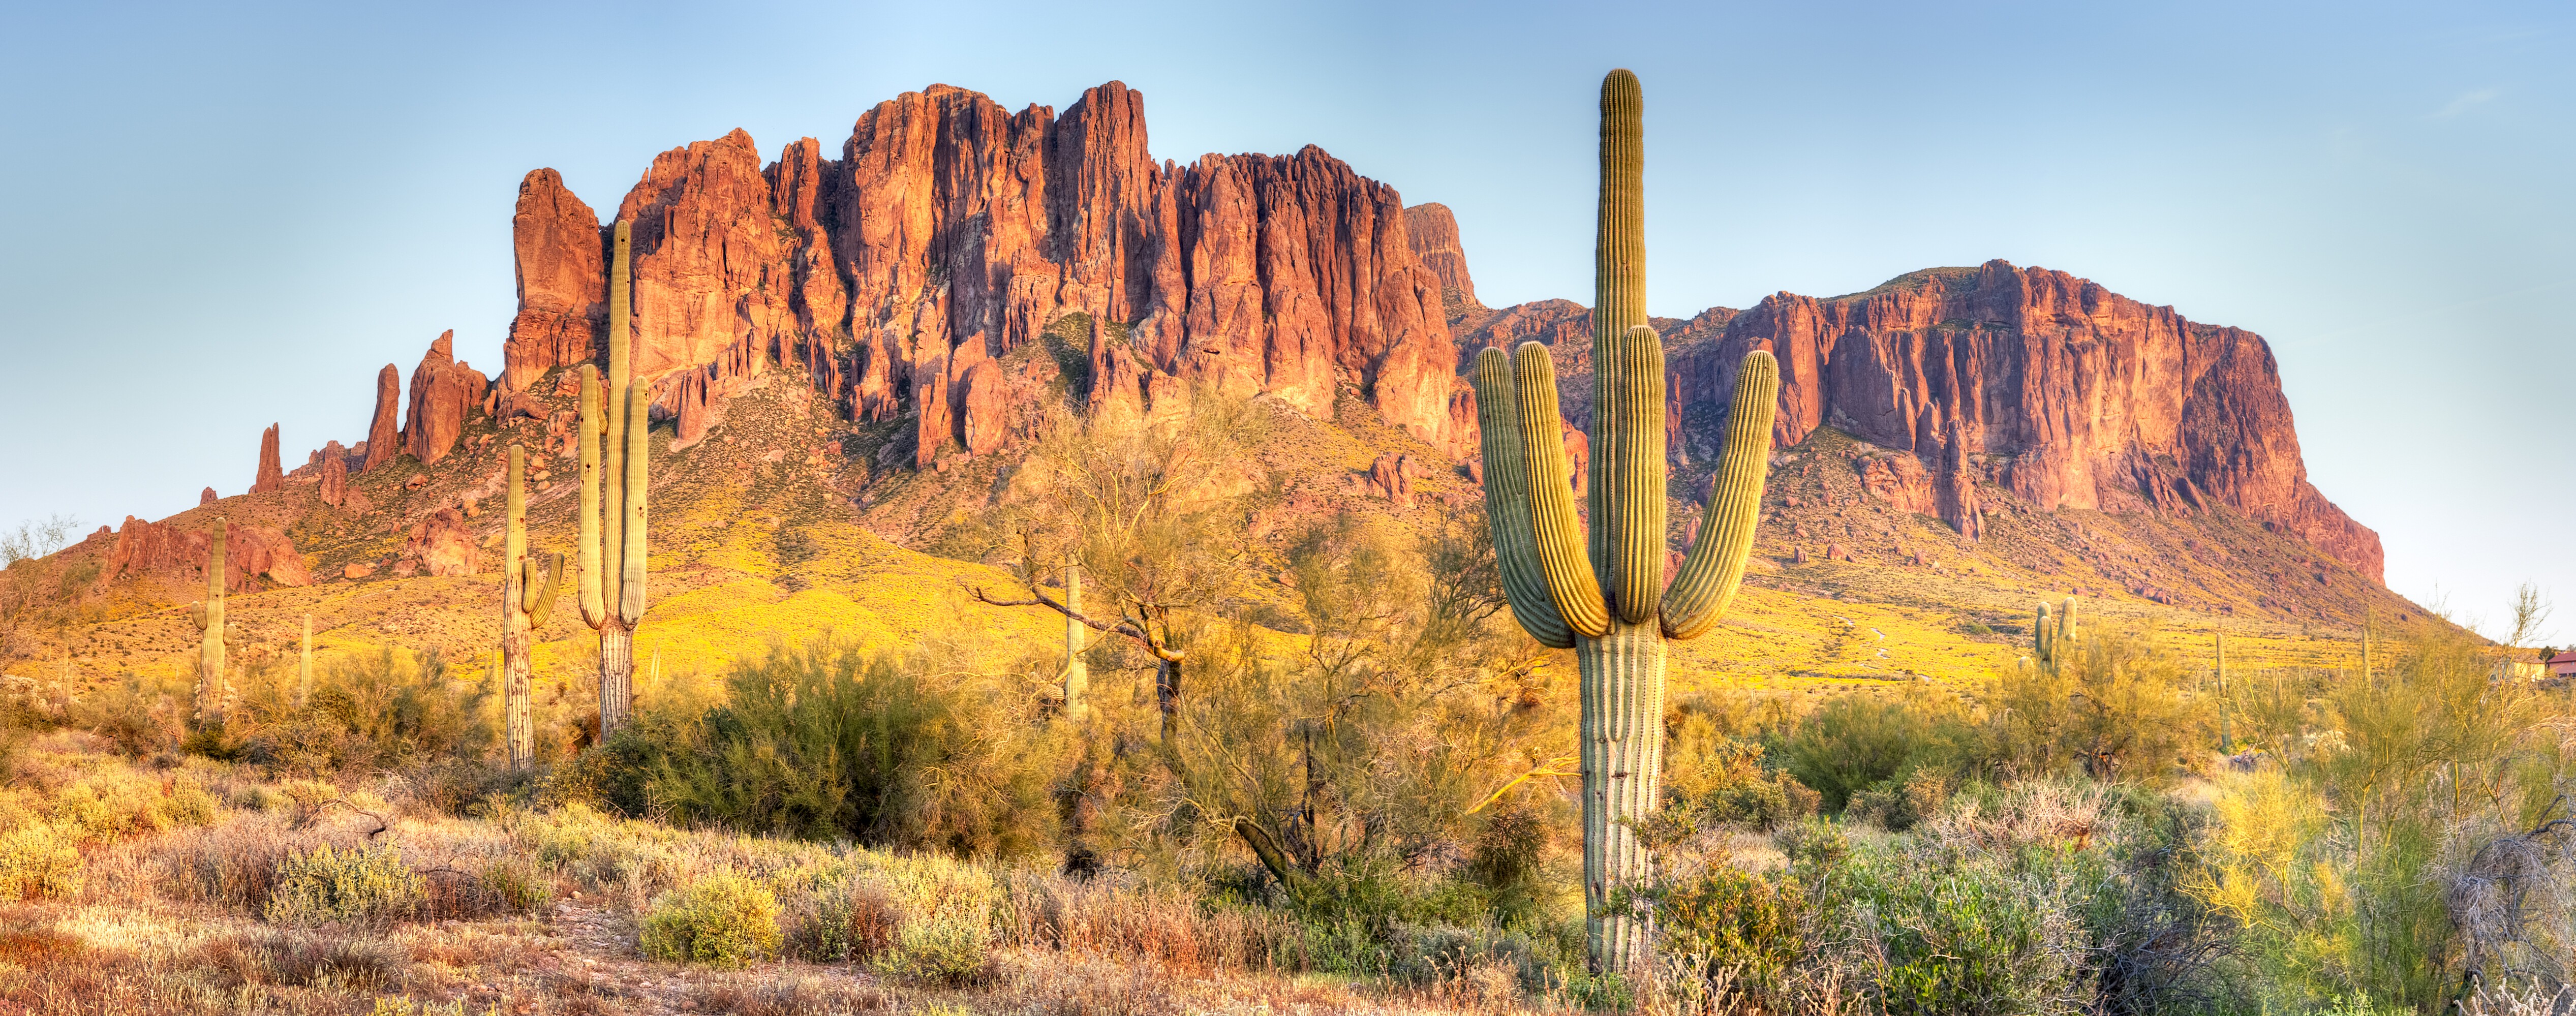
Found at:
[526, 600]
[1077, 676]
[209, 616]
[304, 667]
[1602, 594]
[615, 428]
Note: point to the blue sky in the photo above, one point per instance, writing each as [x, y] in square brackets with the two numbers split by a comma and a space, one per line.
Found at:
[227, 218]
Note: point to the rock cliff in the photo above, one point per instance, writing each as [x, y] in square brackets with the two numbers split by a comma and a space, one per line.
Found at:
[2045, 384]
[950, 232]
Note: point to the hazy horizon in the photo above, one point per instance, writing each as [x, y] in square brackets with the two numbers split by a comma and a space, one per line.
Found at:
[2376, 190]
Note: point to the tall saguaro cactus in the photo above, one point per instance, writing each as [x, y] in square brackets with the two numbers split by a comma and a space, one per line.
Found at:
[1603, 595]
[525, 603]
[615, 429]
[209, 616]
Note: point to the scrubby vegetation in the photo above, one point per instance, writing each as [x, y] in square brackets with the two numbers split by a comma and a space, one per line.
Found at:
[1315, 771]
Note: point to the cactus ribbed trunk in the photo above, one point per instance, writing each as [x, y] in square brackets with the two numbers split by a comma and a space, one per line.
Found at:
[210, 647]
[516, 721]
[1623, 755]
[616, 675]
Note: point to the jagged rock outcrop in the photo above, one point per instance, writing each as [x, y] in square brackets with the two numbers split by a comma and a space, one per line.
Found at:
[167, 549]
[443, 390]
[383, 441]
[206, 496]
[272, 475]
[439, 545]
[1434, 232]
[563, 281]
[950, 232]
[335, 474]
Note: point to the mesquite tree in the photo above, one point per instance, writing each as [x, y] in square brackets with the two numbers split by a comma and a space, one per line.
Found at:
[1603, 595]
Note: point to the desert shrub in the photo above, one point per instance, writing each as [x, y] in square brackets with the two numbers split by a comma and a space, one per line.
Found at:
[1727, 922]
[1856, 743]
[2361, 865]
[327, 883]
[944, 918]
[724, 920]
[37, 861]
[112, 804]
[2114, 710]
[391, 711]
[139, 720]
[516, 884]
[1721, 780]
[829, 741]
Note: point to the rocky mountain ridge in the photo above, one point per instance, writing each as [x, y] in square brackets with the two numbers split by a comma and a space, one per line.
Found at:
[959, 272]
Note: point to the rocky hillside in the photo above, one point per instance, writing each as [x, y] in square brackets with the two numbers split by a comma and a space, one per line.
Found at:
[848, 356]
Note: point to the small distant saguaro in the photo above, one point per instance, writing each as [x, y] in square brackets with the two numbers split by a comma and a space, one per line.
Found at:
[526, 600]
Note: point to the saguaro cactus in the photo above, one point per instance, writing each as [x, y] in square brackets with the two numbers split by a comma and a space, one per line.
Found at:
[2053, 637]
[525, 602]
[1603, 595]
[304, 667]
[1077, 675]
[209, 616]
[614, 427]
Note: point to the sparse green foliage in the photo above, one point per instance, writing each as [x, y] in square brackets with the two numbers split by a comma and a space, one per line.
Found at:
[723, 920]
[329, 884]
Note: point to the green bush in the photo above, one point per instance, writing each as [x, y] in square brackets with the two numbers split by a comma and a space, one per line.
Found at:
[1730, 921]
[829, 741]
[1857, 743]
[327, 884]
[38, 862]
[724, 920]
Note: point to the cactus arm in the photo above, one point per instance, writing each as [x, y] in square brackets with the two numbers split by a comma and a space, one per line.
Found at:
[638, 437]
[1619, 303]
[542, 602]
[1571, 583]
[612, 513]
[197, 614]
[1507, 505]
[1628, 471]
[593, 609]
[1714, 567]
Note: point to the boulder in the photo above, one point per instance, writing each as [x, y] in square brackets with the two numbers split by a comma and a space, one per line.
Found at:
[439, 545]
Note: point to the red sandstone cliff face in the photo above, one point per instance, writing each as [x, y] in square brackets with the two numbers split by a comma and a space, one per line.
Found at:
[1434, 232]
[563, 280]
[2046, 384]
[950, 232]
[443, 390]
